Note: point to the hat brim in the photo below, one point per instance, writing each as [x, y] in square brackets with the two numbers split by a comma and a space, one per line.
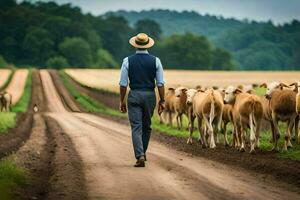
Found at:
[146, 46]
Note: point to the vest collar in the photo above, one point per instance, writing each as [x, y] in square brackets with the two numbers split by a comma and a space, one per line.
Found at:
[142, 51]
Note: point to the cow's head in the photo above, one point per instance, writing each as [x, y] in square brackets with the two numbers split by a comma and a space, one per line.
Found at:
[190, 93]
[180, 90]
[230, 94]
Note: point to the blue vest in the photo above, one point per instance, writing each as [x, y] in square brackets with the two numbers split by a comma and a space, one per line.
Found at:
[142, 71]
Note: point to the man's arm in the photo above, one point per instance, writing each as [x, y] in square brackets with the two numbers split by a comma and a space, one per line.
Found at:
[123, 85]
[123, 108]
[160, 85]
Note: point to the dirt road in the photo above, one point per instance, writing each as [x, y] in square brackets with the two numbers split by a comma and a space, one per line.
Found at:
[105, 149]
[17, 85]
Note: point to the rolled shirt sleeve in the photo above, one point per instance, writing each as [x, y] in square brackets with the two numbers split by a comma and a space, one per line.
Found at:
[124, 73]
[159, 73]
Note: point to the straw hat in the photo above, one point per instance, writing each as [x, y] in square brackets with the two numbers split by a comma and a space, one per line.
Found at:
[141, 41]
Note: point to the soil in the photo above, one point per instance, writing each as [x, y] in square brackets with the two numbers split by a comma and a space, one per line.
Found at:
[45, 151]
[264, 163]
[68, 101]
[15, 137]
[35, 156]
[67, 180]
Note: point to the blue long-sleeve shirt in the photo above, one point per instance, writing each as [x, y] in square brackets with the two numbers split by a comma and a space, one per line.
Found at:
[124, 71]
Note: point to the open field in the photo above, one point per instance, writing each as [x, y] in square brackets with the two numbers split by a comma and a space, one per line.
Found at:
[4, 75]
[109, 79]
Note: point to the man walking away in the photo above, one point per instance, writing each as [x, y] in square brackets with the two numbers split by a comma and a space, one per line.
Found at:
[142, 70]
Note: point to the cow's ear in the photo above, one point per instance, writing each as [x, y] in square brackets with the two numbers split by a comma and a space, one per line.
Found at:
[264, 85]
[200, 90]
[184, 90]
[170, 88]
[251, 91]
[296, 86]
[282, 85]
[237, 91]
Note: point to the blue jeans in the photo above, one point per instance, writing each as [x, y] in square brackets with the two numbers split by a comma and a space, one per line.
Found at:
[141, 105]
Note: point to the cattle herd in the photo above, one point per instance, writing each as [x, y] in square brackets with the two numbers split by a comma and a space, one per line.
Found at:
[214, 108]
[5, 101]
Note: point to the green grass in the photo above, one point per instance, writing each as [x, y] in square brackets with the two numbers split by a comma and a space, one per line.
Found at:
[23, 103]
[7, 81]
[11, 177]
[7, 121]
[94, 106]
[85, 101]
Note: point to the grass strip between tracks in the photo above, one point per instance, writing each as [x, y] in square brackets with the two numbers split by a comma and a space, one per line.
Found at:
[7, 80]
[23, 103]
[11, 177]
[93, 105]
[8, 119]
[85, 101]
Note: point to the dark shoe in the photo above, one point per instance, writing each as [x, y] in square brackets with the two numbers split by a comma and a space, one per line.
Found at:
[140, 162]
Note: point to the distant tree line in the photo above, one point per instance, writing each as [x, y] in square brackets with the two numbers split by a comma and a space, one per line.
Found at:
[46, 34]
[253, 45]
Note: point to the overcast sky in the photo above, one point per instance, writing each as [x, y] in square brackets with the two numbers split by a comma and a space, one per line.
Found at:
[278, 11]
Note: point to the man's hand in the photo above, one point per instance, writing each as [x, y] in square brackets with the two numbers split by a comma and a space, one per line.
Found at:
[161, 107]
[123, 107]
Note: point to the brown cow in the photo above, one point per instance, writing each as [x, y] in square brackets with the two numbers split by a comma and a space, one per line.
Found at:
[247, 112]
[5, 101]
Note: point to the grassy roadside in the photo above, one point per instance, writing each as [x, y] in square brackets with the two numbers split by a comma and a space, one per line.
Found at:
[7, 81]
[11, 177]
[8, 119]
[85, 101]
[23, 103]
[293, 154]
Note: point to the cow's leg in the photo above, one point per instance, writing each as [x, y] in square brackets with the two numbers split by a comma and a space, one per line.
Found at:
[273, 131]
[170, 118]
[201, 132]
[226, 143]
[243, 135]
[287, 138]
[191, 127]
[296, 129]
[257, 133]
[161, 121]
[177, 119]
[180, 120]
[276, 132]
[208, 123]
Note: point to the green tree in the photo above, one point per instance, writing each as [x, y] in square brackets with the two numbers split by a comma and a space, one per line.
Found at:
[105, 59]
[186, 51]
[5, 4]
[221, 60]
[149, 27]
[38, 46]
[115, 33]
[77, 51]
[3, 63]
[57, 62]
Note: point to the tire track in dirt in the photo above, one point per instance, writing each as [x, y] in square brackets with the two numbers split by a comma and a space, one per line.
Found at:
[106, 151]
